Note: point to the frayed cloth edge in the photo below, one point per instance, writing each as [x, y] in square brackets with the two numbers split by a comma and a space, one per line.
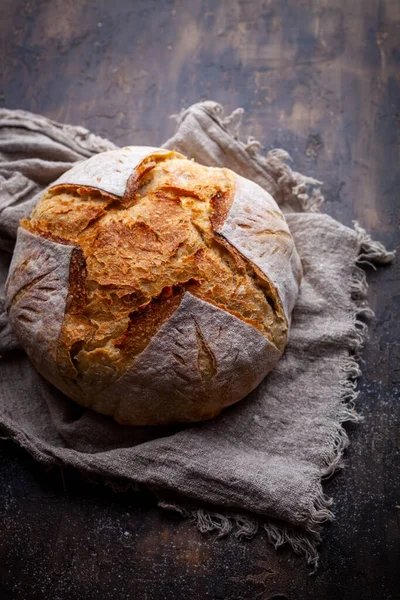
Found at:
[296, 187]
[305, 542]
[300, 192]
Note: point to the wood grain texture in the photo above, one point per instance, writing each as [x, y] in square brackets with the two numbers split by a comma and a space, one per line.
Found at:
[318, 78]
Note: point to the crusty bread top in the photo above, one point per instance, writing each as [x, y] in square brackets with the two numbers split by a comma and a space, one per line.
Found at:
[256, 227]
[111, 171]
[140, 251]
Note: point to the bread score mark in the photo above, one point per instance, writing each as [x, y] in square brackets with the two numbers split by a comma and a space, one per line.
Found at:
[206, 361]
[25, 289]
[148, 318]
[144, 167]
[169, 204]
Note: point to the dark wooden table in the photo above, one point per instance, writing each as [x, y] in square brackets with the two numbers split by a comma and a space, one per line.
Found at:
[317, 77]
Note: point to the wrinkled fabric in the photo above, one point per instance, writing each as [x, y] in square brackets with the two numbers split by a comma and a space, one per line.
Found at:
[264, 456]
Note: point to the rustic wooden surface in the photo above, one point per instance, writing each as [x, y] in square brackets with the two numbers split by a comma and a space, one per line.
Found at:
[317, 77]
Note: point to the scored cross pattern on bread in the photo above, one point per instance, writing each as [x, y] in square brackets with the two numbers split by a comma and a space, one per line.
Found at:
[175, 289]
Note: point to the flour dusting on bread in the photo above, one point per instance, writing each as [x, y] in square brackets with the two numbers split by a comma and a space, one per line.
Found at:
[146, 229]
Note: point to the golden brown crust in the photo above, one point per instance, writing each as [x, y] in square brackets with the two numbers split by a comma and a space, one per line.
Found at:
[77, 296]
[149, 163]
[84, 190]
[147, 319]
[220, 205]
[125, 281]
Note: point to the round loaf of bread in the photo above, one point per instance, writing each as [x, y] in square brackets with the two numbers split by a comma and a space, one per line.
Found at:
[156, 290]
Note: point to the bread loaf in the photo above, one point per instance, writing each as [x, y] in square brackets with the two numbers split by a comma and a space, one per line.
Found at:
[151, 288]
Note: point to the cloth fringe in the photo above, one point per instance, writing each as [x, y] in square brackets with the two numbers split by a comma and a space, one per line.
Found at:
[306, 195]
[246, 527]
[298, 189]
[305, 542]
[371, 251]
[302, 193]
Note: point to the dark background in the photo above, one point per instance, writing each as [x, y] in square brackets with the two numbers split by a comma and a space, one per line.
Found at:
[319, 78]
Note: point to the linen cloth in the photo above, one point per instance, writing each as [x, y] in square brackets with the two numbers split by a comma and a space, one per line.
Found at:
[259, 465]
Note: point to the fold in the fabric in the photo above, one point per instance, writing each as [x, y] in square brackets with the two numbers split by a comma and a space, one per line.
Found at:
[261, 462]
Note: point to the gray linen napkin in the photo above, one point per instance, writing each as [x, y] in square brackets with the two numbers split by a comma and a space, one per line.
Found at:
[259, 465]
